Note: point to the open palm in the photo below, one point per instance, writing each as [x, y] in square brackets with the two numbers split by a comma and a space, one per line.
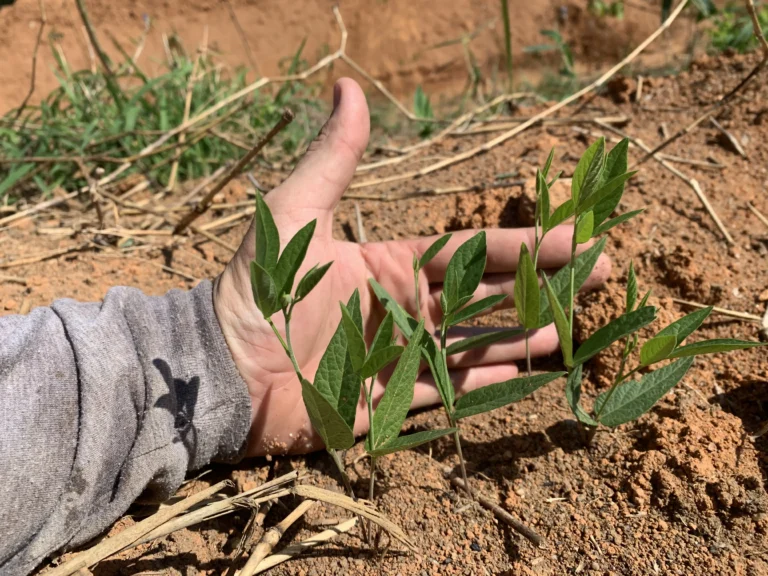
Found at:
[279, 420]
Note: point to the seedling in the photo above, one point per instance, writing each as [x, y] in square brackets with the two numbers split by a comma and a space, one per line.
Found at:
[347, 363]
[596, 190]
[462, 278]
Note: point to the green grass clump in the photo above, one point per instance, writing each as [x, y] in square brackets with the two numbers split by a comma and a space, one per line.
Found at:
[105, 122]
[733, 29]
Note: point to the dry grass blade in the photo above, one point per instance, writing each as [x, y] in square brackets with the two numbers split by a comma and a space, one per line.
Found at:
[729, 137]
[44, 256]
[272, 536]
[13, 279]
[125, 538]
[203, 185]
[362, 238]
[500, 513]
[718, 310]
[202, 206]
[360, 508]
[293, 550]
[462, 157]
[43, 22]
[692, 182]
[757, 213]
[38, 208]
[432, 191]
[757, 28]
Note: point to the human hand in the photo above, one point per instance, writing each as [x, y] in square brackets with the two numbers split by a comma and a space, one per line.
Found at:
[280, 421]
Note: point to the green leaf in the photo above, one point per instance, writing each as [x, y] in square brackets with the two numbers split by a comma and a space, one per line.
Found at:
[631, 287]
[561, 323]
[267, 236]
[264, 290]
[588, 171]
[632, 399]
[310, 280]
[497, 395]
[355, 341]
[714, 346]
[411, 441]
[548, 163]
[615, 165]
[542, 194]
[464, 272]
[609, 191]
[526, 290]
[482, 340]
[377, 360]
[326, 421]
[472, 310]
[615, 330]
[573, 396]
[644, 301]
[383, 337]
[398, 394]
[405, 322]
[560, 282]
[292, 258]
[684, 327]
[584, 227]
[657, 349]
[560, 215]
[433, 250]
[605, 226]
[335, 377]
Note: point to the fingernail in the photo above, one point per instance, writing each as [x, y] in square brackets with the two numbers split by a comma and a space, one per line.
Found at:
[336, 96]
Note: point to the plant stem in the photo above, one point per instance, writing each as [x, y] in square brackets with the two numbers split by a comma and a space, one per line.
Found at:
[287, 345]
[372, 481]
[416, 293]
[344, 478]
[457, 440]
[527, 354]
[573, 280]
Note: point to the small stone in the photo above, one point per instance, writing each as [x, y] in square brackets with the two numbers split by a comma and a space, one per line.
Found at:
[763, 297]
[475, 546]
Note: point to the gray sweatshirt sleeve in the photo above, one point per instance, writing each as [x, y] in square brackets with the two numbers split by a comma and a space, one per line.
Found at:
[100, 402]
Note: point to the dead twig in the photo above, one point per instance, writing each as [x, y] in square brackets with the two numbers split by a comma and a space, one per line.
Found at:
[37, 208]
[757, 28]
[293, 550]
[462, 157]
[202, 206]
[361, 236]
[38, 41]
[757, 213]
[728, 136]
[529, 533]
[691, 161]
[272, 536]
[431, 191]
[44, 256]
[692, 182]
[243, 37]
[718, 310]
[125, 538]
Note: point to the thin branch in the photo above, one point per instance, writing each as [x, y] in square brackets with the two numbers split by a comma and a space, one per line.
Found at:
[529, 533]
[243, 37]
[43, 256]
[757, 213]
[203, 205]
[43, 22]
[757, 28]
[462, 157]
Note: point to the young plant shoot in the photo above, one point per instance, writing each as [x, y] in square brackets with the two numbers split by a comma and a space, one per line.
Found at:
[347, 365]
[596, 190]
[462, 278]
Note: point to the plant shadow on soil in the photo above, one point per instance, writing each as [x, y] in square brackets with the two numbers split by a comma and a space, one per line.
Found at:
[749, 403]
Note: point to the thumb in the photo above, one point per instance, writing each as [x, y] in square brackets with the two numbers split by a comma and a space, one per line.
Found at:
[329, 164]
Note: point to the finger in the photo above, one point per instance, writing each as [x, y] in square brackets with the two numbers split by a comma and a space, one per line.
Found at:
[464, 381]
[329, 164]
[496, 284]
[503, 249]
[541, 342]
